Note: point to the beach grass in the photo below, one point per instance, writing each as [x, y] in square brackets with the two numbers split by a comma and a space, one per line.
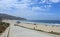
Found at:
[3, 26]
[54, 33]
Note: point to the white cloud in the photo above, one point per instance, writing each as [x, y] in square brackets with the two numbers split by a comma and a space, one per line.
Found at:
[49, 1]
[24, 5]
[55, 1]
[37, 9]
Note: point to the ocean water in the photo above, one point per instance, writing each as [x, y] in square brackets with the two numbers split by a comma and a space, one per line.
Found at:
[48, 22]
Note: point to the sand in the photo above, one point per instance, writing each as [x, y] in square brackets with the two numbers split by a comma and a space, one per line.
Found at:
[18, 31]
[46, 28]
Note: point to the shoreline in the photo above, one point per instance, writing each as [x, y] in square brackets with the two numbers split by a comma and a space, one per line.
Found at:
[46, 28]
[40, 23]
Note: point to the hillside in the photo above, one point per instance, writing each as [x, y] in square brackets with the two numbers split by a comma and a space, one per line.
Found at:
[10, 17]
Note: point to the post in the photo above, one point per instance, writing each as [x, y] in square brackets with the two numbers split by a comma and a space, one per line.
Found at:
[8, 32]
[0, 19]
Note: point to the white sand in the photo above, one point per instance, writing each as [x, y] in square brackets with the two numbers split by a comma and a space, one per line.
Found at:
[46, 28]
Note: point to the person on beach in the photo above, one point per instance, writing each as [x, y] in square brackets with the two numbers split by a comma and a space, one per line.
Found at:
[35, 26]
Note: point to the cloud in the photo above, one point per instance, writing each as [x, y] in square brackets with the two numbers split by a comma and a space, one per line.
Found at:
[40, 5]
[27, 8]
[23, 4]
[55, 1]
[38, 9]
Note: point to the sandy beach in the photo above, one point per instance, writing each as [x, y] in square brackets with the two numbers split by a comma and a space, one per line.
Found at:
[24, 32]
[46, 28]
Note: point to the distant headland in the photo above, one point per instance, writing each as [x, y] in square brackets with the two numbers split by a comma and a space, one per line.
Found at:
[10, 17]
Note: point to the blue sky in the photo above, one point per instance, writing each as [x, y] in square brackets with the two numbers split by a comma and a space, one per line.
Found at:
[32, 9]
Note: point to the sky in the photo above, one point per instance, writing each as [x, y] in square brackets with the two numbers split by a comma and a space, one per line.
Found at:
[32, 9]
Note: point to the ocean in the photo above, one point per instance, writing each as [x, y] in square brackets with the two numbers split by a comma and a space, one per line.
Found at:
[49, 22]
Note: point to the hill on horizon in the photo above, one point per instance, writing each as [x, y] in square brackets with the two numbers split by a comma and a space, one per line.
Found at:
[10, 17]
